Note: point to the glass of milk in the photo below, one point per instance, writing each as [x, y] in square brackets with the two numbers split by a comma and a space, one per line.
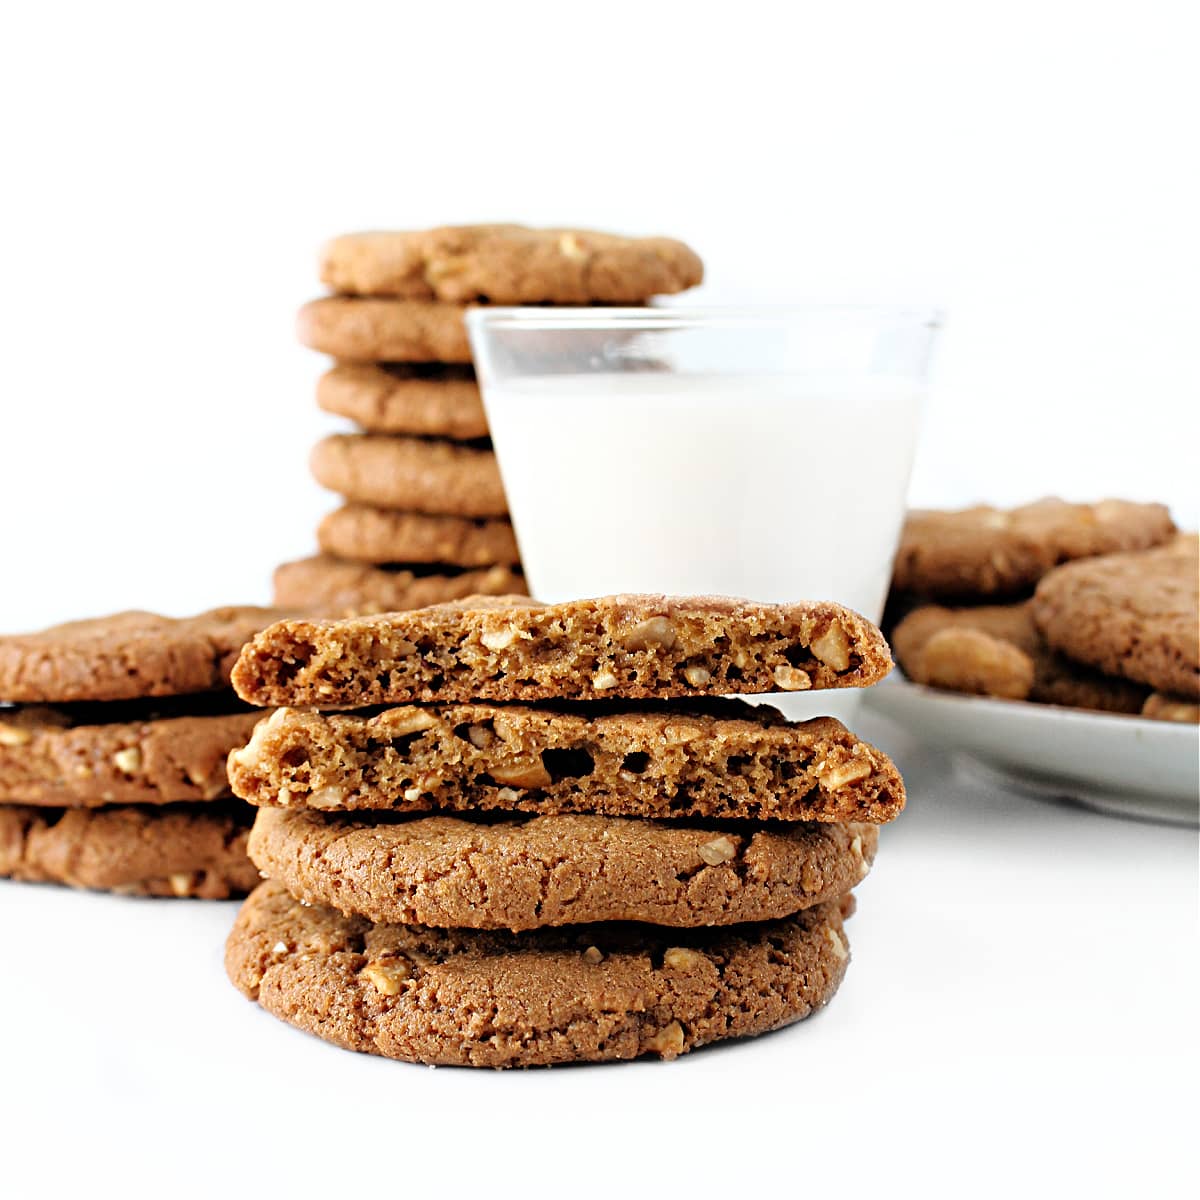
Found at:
[762, 453]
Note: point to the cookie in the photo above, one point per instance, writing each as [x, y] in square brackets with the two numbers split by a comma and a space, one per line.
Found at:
[421, 399]
[411, 474]
[383, 535]
[126, 656]
[509, 264]
[983, 552]
[369, 330]
[1133, 615]
[175, 850]
[330, 585]
[496, 999]
[506, 648]
[80, 755]
[721, 759]
[529, 872]
[1171, 708]
[996, 650]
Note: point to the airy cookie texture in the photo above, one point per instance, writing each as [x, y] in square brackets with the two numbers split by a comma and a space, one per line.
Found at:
[411, 473]
[509, 264]
[338, 587]
[529, 872]
[1171, 708]
[498, 999]
[179, 850]
[996, 650]
[358, 330]
[127, 656]
[382, 535]
[506, 648]
[82, 755]
[1135, 615]
[723, 759]
[981, 552]
[421, 399]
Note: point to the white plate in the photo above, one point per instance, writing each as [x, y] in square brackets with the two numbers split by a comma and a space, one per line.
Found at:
[1126, 765]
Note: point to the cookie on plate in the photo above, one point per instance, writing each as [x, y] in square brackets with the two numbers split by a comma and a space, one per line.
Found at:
[1134, 615]
[497, 999]
[530, 872]
[983, 552]
[688, 760]
[363, 533]
[509, 264]
[373, 330]
[419, 399]
[511, 648]
[412, 474]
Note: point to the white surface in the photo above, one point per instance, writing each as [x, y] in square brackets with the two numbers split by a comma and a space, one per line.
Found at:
[1020, 1012]
[1123, 764]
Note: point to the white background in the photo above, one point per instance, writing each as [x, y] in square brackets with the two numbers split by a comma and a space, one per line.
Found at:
[1023, 997]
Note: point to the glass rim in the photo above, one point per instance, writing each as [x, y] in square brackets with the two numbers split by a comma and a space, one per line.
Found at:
[600, 317]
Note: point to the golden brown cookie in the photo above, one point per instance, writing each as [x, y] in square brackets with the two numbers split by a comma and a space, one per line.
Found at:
[510, 648]
[369, 330]
[126, 656]
[112, 753]
[983, 552]
[383, 535]
[1171, 708]
[568, 869]
[420, 399]
[1133, 615]
[495, 999]
[411, 474]
[509, 264]
[695, 760]
[331, 585]
[184, 850]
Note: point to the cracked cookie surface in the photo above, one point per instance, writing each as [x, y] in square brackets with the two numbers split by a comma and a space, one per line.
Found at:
[421, 399]
[493, 999]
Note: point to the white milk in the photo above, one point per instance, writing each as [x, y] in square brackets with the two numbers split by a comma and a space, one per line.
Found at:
[775, 488]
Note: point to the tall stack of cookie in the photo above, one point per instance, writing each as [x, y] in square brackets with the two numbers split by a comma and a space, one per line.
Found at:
[114, 735]
[425, 517]
[556, 841]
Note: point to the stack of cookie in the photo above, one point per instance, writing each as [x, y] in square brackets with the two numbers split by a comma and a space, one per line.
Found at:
[114, 735]
[556, 841]
[1090, 606]
[425, 518]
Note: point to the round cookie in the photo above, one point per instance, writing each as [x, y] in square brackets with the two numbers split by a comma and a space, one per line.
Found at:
[68, 758]
[126, 656]
[179, 850]
[699, 760]
[531, 872]
[491, 999]
[359, 330]
[382, 535]
[509, 264]
[411, 474]
[331, 585]
[1133, 615]
[421, 399]
[982, 552]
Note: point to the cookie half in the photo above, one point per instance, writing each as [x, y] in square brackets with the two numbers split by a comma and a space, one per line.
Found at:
[1133, 615]
[421, 399]
[370, 330]
[724, 759]
[492, 999]
[630, 647]
[531, 872]
[982, 552]
[380, 535]
[411, 474]
[509, 264]
[179, 850]
[333, 585]
[82, 755]
[126, 656]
